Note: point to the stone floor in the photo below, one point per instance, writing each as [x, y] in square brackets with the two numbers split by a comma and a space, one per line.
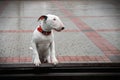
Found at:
[92, 32]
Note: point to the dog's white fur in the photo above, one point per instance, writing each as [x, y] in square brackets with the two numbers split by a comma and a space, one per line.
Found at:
[43, 46]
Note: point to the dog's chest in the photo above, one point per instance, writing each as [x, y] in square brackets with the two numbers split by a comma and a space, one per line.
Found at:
[43, 43]
[44, 39]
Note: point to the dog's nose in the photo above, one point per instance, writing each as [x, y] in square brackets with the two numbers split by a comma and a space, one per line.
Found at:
[63, 28]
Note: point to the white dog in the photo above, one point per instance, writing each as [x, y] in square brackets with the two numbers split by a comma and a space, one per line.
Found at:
[43, 45]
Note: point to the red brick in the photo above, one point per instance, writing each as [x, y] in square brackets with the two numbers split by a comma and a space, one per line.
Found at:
[67, 58]
[73, 58]
[92, 58]
[88, 34]
[28, 59]
[16, 59]
[105, 58]
[85, 58]
[109, 46]
[22, 59]
[79, 58]
[3, 59]
[99, 58]
[103, 48]
[9, 59]
[60, 59]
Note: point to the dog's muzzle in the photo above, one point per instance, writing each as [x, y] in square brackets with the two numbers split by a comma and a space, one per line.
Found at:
[62, 28]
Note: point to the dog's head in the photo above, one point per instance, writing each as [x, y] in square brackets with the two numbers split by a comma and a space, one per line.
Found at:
[50, 22]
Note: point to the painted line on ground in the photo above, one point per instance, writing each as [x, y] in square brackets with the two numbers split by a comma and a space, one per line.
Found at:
[60, 59]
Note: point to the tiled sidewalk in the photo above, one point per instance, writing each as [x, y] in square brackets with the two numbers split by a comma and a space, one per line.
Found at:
[92, 31]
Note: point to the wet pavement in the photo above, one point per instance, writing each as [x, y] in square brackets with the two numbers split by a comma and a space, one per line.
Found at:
[92, 32]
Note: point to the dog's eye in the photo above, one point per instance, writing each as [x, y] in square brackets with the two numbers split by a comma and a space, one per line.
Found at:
[54, 19]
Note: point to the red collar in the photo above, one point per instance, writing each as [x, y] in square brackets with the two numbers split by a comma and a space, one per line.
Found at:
[43, 32]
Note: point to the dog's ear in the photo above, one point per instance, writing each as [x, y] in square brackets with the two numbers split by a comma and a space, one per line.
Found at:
[43, 17]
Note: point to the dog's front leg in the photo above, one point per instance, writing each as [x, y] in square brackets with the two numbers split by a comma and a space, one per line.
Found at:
[36, 55]
[53, 56]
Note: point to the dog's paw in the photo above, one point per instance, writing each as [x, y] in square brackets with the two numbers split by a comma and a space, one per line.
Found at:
[30, 48]
[54, 61]
[37, 62]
